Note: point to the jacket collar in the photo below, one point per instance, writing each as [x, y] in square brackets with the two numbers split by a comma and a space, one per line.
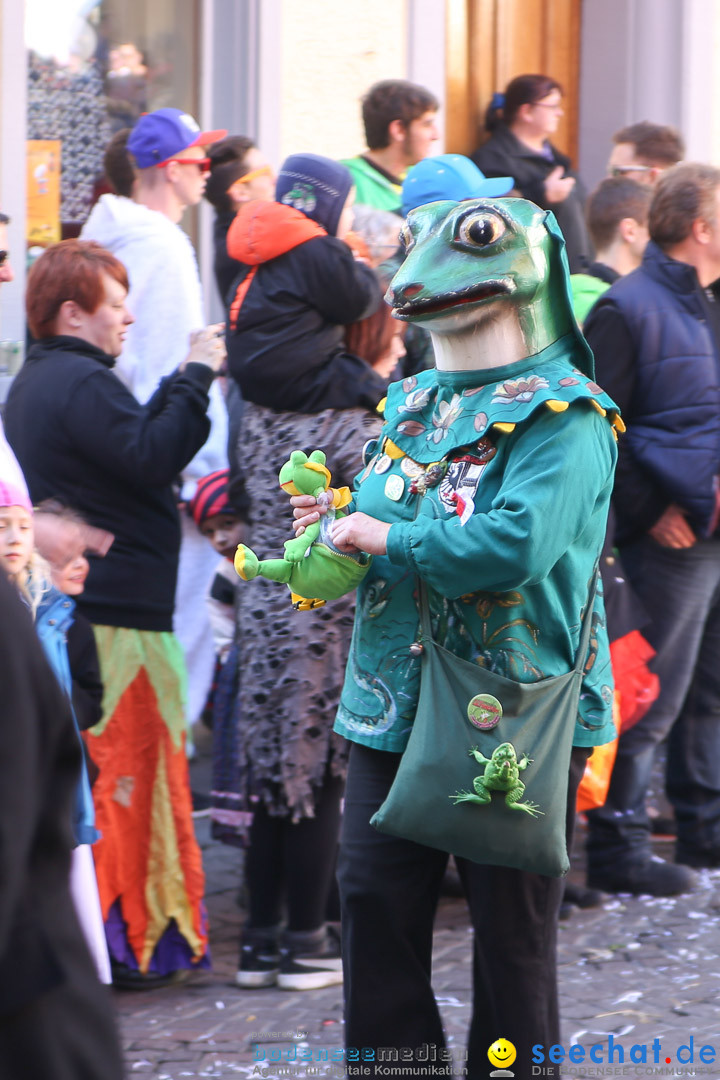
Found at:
[678, 276]
[434, 413]
[64, 343]
[514, 148]
[56, 609]
[373, 167]
[603, 272]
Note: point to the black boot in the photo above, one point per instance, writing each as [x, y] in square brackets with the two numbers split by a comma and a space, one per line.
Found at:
[651, 875]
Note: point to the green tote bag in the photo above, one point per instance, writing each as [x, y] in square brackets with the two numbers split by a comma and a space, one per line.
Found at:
[485, 772]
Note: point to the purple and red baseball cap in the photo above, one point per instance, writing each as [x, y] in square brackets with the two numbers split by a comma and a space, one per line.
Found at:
[164, 133]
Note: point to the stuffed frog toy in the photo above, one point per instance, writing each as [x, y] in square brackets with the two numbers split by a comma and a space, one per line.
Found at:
[313, 568]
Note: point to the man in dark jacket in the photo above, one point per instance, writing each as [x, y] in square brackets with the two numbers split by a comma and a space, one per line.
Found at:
[656, 338]
[55, 1017]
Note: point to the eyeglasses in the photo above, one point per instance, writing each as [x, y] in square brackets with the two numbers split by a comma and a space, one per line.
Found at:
[203, 162]
[621, 170]
[4, 256]
[264, 170]
[557, 107]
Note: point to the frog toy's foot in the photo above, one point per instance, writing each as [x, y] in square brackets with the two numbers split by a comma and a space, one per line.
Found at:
[297, 548]
[530, 808]
[246, 563]
[468, 796]
[301, 603]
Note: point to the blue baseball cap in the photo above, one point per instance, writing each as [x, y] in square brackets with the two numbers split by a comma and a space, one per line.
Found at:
[451, 177]
[164, 133]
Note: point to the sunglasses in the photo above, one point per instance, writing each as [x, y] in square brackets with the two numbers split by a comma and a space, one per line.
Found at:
[621, 170]
[264, 170]
[203, 162]
[4, 256]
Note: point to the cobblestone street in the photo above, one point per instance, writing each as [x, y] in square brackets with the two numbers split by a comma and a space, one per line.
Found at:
[637, 968]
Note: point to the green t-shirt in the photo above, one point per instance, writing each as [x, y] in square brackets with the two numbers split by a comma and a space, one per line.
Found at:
[373, 188]
[585, 290]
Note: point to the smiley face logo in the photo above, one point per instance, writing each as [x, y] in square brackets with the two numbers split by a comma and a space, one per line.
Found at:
[502, 1053]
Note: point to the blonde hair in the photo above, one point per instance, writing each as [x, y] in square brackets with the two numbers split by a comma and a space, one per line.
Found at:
[33, 582]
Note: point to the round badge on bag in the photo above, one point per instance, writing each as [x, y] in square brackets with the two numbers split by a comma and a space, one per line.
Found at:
[484, 712]
[411, 468]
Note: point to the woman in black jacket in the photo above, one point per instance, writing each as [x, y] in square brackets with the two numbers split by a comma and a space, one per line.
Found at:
[520, 122]
[80, 435]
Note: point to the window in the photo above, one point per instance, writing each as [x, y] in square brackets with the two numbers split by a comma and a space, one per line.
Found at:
[94, 67]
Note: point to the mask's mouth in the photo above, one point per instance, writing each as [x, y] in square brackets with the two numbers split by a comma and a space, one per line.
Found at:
[438, 305]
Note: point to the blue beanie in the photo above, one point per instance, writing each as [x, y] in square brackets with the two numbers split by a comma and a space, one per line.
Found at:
[318, 186]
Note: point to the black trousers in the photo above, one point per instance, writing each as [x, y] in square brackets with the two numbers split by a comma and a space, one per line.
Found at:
[292, 864]
[389, 890]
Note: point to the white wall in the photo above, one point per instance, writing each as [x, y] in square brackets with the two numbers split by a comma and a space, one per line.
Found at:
[655, 60]
[427, 22]
[315, 61]
[332, 52]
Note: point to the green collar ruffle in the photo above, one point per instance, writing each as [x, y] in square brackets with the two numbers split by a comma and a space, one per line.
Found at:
[432, 414]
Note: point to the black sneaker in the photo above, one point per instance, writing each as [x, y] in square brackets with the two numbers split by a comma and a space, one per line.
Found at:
[310, 960]
[259, 962]
[652, 876]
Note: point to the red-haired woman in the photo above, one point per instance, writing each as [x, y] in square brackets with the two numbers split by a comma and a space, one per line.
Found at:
[378, 339]
[520, 123]
[81, 435]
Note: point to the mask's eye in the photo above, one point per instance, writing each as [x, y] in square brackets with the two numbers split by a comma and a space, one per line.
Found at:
[406, 238]
[480, 229]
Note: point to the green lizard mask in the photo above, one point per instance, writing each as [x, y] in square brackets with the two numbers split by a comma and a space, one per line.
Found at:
[485, 272]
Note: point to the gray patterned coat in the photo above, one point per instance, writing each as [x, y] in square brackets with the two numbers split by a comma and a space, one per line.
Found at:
[292, 663]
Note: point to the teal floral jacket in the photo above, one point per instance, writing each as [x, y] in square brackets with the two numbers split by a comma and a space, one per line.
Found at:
[497, 485]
